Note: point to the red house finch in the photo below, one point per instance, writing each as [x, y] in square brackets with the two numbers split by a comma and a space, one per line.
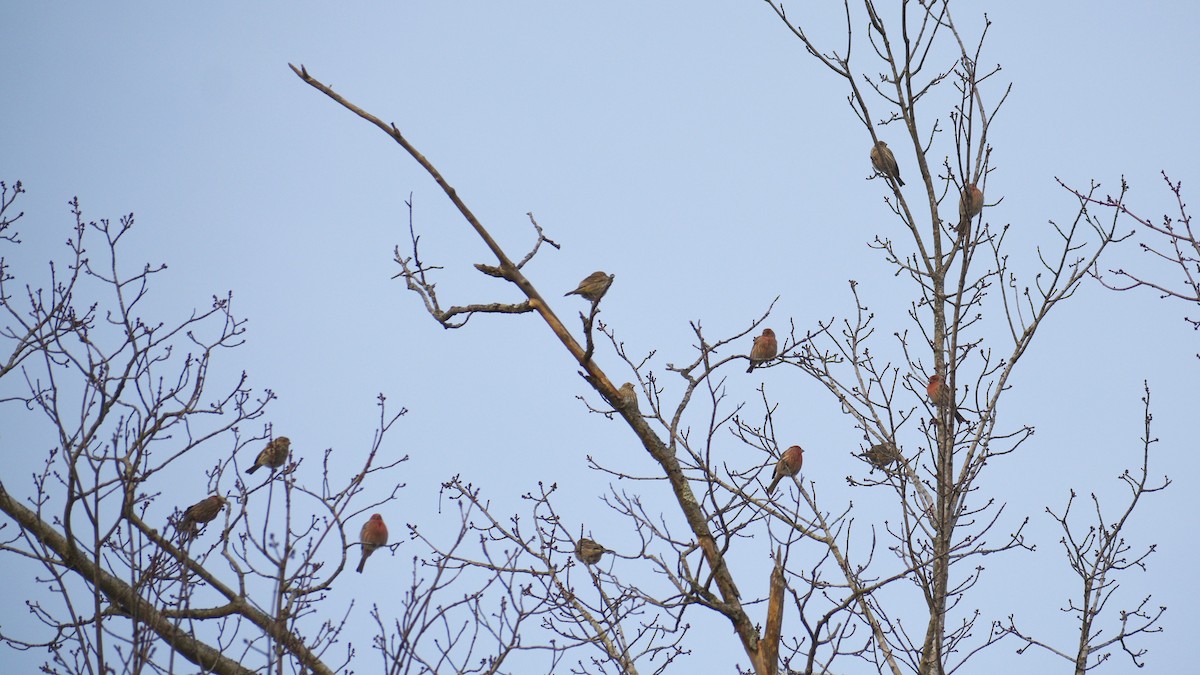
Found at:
[272, 456]
[629, 396]
[594, 286]
[373, 535]
[885, 162]
[203, 511]
[589, 552]
[940, 395]
[789, 465]
[970, 203]
[881, 455]
[765, 348]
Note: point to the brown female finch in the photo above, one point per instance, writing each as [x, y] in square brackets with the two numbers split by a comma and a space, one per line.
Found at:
[881, 455]
[885, 162]
[940, 395]
[589, 552]
[789, 465]
[969, 206]
[272, 456]
[373, 535]
[628, 396]
[203, 511]
[594, 286]
[765, 348]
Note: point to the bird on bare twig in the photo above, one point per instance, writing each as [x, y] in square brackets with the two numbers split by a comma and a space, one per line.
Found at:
[374, 534]
[629, 396]
[970, 203]
[203, 511]
[273, 456]
[881, 455]
[940, 395]
[885, 162]
[788, 465]
[589, 552]
[764, 349]
[594, 286]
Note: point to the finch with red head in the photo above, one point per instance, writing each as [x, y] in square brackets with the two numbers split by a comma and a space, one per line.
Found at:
[273, 456]
[940, 395]
[589, 552]
[203, 511]
[594, 286]
[373, 535]
[885, 162]
[765, 348]
[788, 465]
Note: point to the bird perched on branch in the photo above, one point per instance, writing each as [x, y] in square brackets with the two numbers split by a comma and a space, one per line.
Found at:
[788, 465]
[881, 455]
[373, 535]
[885, 162]
[203, 511]
[594, 286]
[629, 395]
[940, 395]
[764, 349]
[273, 456]
[589, 552]
[970, 203]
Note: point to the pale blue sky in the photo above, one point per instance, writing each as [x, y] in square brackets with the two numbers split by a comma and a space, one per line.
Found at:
[693, 149]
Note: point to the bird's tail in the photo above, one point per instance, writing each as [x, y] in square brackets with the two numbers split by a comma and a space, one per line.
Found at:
[774, 482]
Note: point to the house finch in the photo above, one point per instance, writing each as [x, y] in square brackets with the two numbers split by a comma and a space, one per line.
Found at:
[765, 348]
[885, 162]
[589, 552]
[789, 465]
[970, 203]
[203, 511]
[273, 456]
[881, 455]
[594, 286]
[629, 396]
[940, 395]
[373, 535]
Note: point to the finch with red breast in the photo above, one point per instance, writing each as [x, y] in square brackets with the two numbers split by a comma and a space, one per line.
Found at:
[940, 395]
[764, 349]
[788, 465]
[373, 535]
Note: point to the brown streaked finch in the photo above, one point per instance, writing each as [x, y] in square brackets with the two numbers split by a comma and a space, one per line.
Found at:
[594, 286]
[628, 396]
[764, 349]
[881, 455]
[273, 456]
[970, 203]
[589, 552]
[203, 511]
[373, 535]
[788, 465]
[940, 395]
[885, 162]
